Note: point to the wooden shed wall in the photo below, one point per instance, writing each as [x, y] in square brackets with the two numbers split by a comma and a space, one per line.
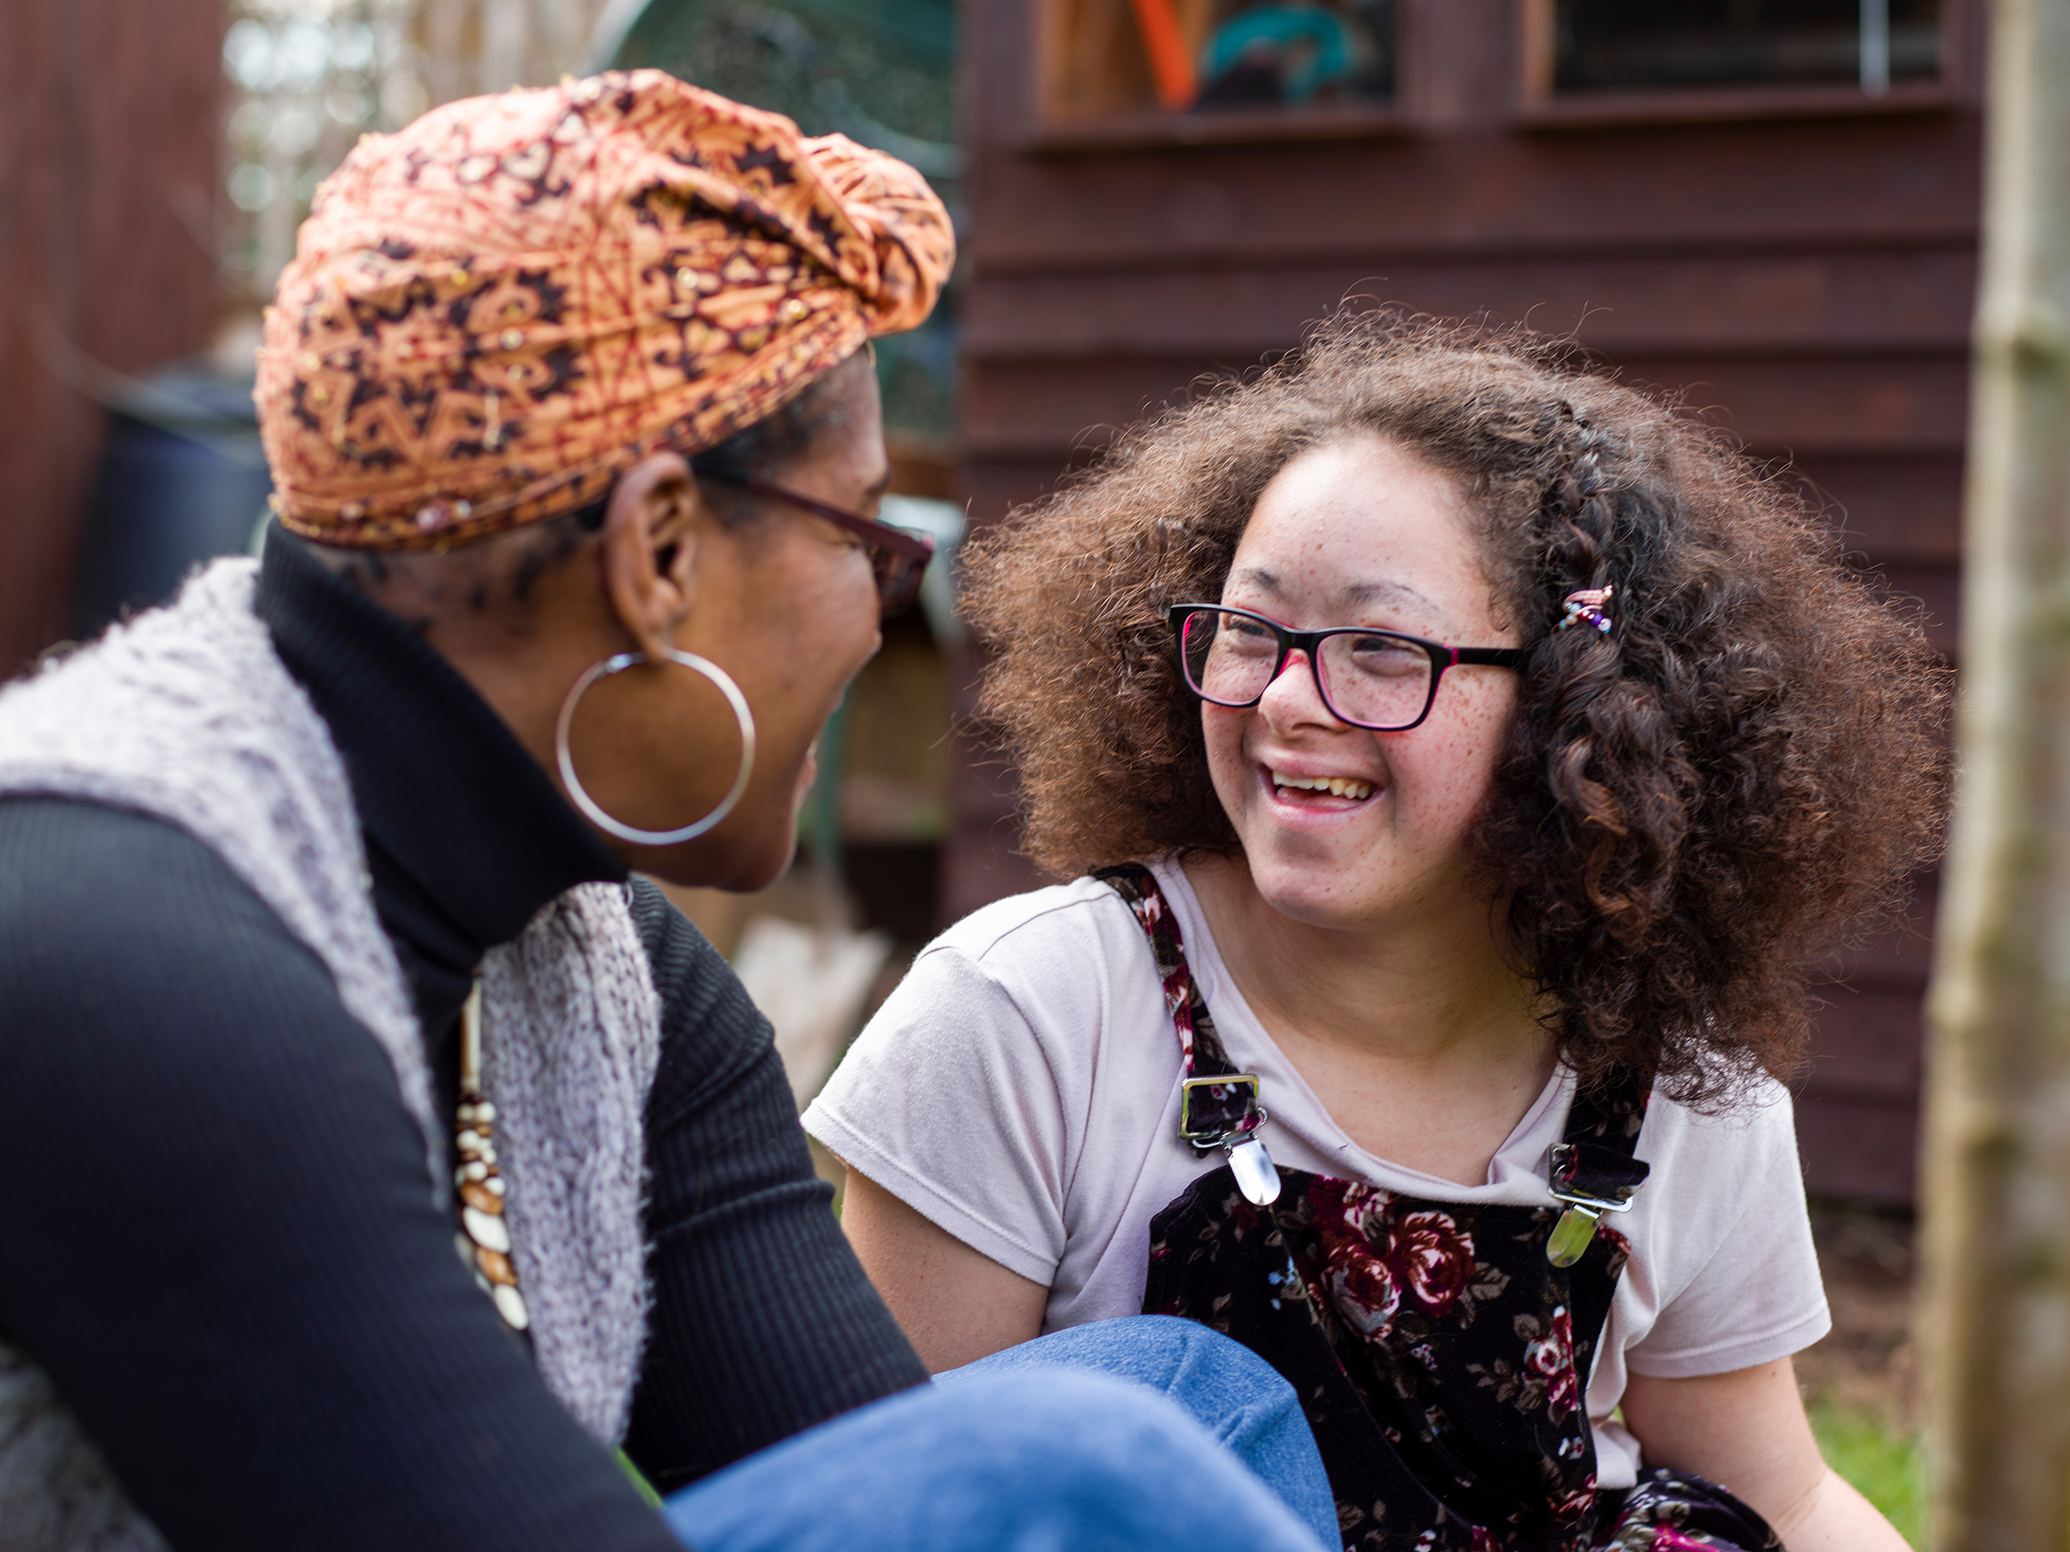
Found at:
[1805, 280]
[107, 193]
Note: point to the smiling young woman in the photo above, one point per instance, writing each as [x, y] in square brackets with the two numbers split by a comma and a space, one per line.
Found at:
[1483, 749]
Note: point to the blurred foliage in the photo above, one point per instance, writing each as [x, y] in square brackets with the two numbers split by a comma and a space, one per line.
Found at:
[305, 79]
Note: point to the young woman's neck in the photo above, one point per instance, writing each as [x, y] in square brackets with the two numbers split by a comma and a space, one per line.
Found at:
[1431, 989]
[1420, 1041]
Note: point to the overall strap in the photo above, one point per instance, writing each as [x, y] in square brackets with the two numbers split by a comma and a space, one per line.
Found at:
[1603, 1130]
[1198, 1042]
[1592, 1168]
[1220, 1102]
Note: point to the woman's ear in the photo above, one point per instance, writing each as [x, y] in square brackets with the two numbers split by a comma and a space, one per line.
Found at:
[654, 528]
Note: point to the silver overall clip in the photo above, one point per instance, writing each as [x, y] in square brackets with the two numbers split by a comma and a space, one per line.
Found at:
[1577, 1226]
[1256, 1175]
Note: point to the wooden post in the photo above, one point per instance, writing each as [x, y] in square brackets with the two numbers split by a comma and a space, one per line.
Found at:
[1995, 1329]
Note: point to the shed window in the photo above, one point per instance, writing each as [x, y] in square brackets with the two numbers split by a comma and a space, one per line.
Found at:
[1123, 57]
[1625, 45]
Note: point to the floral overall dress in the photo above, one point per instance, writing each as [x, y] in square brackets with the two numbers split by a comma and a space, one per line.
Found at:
[1440, 1350]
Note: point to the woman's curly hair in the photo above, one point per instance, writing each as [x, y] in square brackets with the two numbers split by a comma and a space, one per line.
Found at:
[1733, 781]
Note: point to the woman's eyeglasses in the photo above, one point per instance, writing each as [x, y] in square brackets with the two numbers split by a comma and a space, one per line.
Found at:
[1376, 679]
[898, 556]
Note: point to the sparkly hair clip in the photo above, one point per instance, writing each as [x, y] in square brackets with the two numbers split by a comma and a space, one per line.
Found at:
[1587, 605]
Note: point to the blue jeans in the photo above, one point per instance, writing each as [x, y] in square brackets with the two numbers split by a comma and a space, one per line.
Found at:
[1145, 1434]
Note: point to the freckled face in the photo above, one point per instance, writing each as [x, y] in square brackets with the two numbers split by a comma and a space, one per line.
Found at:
[1361, 532]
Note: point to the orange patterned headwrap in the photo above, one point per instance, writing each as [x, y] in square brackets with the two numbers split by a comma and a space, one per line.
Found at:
[495, 311]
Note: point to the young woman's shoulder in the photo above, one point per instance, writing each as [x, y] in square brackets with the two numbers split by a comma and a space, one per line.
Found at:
[1752, 1122]
[1724, 1259]
[968, 1094]
[1024, 930]
[1028, 980]
[1718, 1167]
[1752, 1114]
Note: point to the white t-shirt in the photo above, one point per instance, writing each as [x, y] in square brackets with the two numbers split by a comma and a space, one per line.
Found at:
[1020, 1089]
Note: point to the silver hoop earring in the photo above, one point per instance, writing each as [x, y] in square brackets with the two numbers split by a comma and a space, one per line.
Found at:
[589, 805]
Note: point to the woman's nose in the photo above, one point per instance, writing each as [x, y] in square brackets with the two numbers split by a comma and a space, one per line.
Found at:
[1294, 697]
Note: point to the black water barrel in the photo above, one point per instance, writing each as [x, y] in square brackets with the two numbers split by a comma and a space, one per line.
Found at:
[181, 480]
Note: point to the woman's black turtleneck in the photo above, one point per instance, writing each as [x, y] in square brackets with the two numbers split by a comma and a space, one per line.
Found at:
[214, 1232]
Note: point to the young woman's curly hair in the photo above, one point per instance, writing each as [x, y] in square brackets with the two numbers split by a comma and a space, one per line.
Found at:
[1690, 807]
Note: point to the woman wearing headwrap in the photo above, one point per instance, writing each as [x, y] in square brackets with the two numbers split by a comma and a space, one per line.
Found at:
[321, 957]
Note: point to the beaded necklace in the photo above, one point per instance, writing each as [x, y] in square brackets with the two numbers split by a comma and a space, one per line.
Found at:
[484, 1237]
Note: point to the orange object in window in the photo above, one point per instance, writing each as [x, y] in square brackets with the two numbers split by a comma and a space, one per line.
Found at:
[1170, 62]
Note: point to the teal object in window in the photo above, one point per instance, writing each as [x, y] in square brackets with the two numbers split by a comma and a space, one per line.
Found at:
[1306, 46]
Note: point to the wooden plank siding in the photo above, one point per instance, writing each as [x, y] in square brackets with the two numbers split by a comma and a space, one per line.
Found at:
[108, 183]
[1804, 279]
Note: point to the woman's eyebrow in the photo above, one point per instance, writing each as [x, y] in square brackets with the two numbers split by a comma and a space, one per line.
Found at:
[1267, 580]
[1352, 595]
[1390, 594]
[1387, 592]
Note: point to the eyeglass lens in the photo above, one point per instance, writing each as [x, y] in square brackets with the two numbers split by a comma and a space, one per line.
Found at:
[1367, 677]
[898, 578]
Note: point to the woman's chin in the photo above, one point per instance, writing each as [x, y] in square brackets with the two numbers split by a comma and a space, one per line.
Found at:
[773, 863]
[1302, 879]
[1325, 893]
[735, 858]
[1310, 907]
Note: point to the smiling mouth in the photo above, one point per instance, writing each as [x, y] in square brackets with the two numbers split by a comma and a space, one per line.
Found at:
[1352, 789]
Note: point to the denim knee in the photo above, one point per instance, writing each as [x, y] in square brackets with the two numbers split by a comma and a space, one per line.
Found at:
[1161, 1351]
[1239, 1398]
[1019, 1461]
[1187, 1346]
[1089, 1435]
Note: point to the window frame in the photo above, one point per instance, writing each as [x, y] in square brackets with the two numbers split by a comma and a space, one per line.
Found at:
[1047, 130]
[1540, 107]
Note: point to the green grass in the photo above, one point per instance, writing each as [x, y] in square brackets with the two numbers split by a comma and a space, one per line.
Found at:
[640, 1483]
[1883, 1463]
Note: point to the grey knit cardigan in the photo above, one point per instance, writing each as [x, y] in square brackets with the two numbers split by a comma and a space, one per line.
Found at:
[186, 714]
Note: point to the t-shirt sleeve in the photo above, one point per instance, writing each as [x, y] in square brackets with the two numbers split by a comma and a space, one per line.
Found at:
[948, 1101]
[1748, 1290]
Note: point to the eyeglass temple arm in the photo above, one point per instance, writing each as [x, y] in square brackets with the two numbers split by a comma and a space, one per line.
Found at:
[1498, 657]
[900, 541]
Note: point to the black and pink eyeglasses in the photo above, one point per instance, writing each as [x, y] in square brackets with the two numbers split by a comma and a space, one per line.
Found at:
[1375, 679]
[898, 556]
